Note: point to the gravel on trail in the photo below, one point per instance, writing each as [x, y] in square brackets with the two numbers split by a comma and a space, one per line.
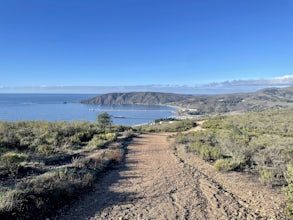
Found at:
[154, 183]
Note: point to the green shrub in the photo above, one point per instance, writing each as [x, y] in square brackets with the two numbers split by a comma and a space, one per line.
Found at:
[75, 139]
[288, 190]
[206, 152]
[96, 142]
[45, 149]
[13, 158]
[267, 175]
[213, 123]
[209, 153]
[108, 137]
[224, 165]
[181, 139]
[79, 137]
[230, 164]
[196, 147]
[11, 162]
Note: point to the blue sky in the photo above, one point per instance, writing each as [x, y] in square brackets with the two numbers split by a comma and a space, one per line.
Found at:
[143, 42]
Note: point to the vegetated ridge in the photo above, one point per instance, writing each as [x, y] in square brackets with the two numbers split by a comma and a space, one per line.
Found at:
[203, 104]
[136, 98]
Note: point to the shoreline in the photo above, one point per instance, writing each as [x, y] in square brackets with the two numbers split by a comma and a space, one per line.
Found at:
[52, 109]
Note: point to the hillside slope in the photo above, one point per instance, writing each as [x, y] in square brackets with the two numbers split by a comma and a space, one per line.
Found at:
[136, 98]
[203, 104]
[242, 102]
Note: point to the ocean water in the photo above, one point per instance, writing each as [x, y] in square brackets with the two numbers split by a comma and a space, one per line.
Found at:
[66, 107]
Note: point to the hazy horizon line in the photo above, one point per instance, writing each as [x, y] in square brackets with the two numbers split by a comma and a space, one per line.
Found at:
[229, 86]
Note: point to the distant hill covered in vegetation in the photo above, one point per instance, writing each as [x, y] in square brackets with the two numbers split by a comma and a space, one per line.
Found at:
[275, 98]
[203, 104]
[137, 98]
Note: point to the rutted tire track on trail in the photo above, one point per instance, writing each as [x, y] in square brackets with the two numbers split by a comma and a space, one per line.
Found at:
[255, 201]
[219, 203]
[153, 183]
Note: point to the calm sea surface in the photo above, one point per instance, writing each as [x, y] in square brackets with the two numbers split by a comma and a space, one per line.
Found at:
[66, 107]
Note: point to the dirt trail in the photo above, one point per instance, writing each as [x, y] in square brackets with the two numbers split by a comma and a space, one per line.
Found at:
[154, 184]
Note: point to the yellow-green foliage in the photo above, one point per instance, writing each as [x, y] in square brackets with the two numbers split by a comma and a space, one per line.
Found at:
[29, 135]
[207, 152]
[96, 142]
[45, 149]
[267, 176]
[80, 137]
[288, 190]
[224, 165]
[10, 158]
[108, 136]
[214, 123]
[99, 140]
[229, 164]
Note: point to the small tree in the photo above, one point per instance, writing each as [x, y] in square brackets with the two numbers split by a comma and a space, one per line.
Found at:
[104, 121]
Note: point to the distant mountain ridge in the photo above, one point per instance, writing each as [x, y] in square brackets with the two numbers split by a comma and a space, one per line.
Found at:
[136, 98]
[203, 104]
[271, 98]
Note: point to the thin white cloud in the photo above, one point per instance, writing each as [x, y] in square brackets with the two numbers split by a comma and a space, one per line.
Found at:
[287, 79]
[232, 86]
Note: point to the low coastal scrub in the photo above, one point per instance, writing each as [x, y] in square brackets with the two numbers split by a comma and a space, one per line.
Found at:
[260, 143]
[168, 125]
[288, 190]
[100, 140]
[229, 164]
[44, 165]
[206, 152]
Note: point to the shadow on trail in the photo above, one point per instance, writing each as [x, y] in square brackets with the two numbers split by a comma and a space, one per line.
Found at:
[101, 196]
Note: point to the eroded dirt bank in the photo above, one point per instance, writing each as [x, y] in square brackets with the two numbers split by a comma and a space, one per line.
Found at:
[153, 183]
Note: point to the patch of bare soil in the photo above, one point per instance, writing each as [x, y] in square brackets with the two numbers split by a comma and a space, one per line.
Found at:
[153, 183]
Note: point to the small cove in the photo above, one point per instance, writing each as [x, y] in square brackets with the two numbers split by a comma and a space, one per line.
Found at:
[66, 107]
